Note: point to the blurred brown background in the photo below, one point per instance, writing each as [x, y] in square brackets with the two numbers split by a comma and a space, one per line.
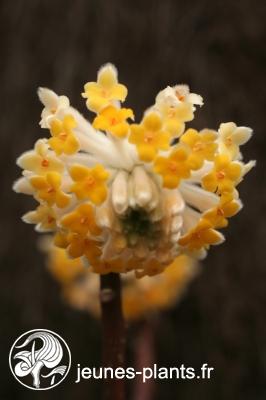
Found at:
[218, 48]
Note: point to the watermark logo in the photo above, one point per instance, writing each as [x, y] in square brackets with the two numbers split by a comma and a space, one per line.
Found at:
[40, 359]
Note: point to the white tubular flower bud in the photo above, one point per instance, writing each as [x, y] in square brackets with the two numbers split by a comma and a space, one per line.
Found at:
[120, 192]
[142, 187]
[105, 217]
[176, 224]
[173, 202]
[155, 200]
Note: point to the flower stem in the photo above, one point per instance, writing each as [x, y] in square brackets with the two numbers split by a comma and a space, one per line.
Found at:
[113, 334]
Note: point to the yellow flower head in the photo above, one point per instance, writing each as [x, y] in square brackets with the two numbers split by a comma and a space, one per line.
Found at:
[83, 246]
[53, 105]
[227, 208]
[105, 91]
[231, 137]
[64, 269]
[89, 183]
[173, 122]
[63, 139]
[48, 189]
[202, 145]
[174, 167]
[79, 245]
[40, 160]
[131, 196]
[150, 294]
[113, 120]
[43, 217]
[224, 176]
[149, 137]
[176, 105]
[202, 236]
[81, 220]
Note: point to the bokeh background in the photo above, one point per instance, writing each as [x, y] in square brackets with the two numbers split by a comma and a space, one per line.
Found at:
[218, 48]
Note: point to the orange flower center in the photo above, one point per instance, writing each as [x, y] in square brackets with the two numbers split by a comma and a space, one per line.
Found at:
[220, 212]
[45, 163]
[198, 146]
[229, 141]
[104, 93]
[62, 135]
[196, 235]
[220, 175]
[51, 189]
[148, 138]
[180, 96]
[113, 121]
[50, 219]
[172, 166]
[83, 220]
[90, 181]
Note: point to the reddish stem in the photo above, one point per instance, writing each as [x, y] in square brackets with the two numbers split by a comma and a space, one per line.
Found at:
[113, 334]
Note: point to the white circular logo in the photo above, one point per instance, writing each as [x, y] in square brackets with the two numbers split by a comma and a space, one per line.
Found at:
[40, 359]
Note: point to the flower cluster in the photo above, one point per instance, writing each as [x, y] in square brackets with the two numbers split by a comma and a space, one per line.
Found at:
[132, 196]
[140, 297]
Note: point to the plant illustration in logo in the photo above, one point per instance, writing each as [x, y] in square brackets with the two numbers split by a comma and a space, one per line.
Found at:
[32, 362]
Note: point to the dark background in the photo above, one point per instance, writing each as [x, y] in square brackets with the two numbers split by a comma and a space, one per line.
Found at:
[218, 48]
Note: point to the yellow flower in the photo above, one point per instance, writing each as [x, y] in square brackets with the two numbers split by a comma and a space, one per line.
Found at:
[44, 217]
[203, 235]
[224, 176]
[105, 91]
[202, 145]
[63, 139]
[113, 120]
[173, 168]
[153, 267]
[172, 122]
[149, 137]
[62, 239]
[78, 245]
[53, 105]
[65, 269]
[231, 137]
[177, 107]
[149, 294]
[48, 189]
[40, 160]
[80, 287]
[83, 246]
[89, 183]
[174, 118]
[81, 220]
[227, 208]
